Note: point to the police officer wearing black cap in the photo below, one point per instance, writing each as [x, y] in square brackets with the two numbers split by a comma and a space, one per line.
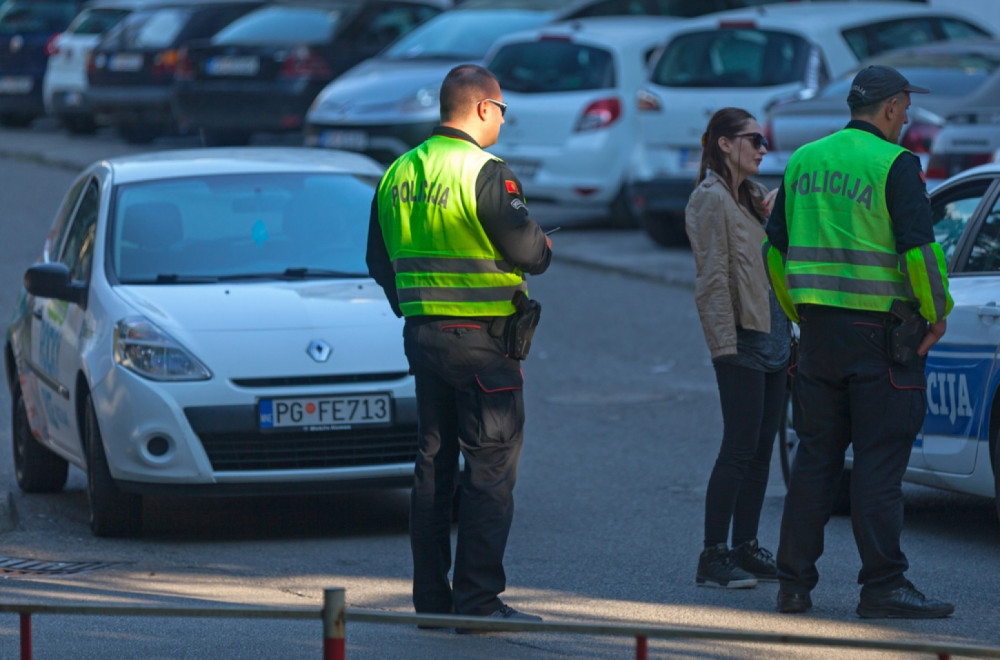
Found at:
[853, 261]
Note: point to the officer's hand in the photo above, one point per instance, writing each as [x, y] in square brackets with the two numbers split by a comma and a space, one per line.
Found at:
[934, 333]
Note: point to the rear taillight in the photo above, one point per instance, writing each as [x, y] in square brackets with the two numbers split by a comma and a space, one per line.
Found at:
[165, 63]
[943, 166]
[919, 137]
[772, 144]
[599, 114]
[303, 62]
[647, 101]
[184, 69]
[51, 47]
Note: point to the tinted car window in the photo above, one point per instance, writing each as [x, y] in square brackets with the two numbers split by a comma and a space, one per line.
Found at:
[879, 37]
[19, 16]
[276, 25]
[553, 66]
[732, 58]
[946, 74]
[461, 34]
[147, 29]
[78, 250]
[231, 226]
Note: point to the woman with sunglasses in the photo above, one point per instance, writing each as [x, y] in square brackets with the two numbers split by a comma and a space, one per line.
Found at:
[748, 337]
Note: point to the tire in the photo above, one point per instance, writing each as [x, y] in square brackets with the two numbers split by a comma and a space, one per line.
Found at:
[622, 213]
[38, 469]
[112, 512]
[666, 229]
[15, 119]
[79, 124]
[138, 133]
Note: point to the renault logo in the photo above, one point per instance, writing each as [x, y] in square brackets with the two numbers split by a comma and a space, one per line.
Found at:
[319, 350]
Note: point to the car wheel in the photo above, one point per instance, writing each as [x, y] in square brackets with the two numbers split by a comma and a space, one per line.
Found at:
[138, 133]
[37, 469]
[623, 214]
[112, 512]
[788, 439]
[79, 124]
[666, 229]
[15, 119]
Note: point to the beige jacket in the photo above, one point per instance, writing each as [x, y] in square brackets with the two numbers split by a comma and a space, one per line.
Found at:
[731, 286]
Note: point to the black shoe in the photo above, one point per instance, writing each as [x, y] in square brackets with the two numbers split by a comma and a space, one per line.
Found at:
[717, 569]
[903, 603]
[791, 602]
[505, 612]
[756, 561]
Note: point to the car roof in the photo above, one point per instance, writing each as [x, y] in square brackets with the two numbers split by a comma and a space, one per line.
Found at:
[602, 29]
[231, 160]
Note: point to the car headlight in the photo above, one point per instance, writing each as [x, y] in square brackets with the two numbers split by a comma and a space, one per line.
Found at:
[144, 349]
[423, 99]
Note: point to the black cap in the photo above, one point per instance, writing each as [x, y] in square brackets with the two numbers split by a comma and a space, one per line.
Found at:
[877, 82]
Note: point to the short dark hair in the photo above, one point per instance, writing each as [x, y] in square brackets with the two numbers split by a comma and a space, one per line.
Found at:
[463, 86]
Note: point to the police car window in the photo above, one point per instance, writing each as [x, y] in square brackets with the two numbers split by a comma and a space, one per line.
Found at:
[78, 250]
[951, 211]
[984, 256]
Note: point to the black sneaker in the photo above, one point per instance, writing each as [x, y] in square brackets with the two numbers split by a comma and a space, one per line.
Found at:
[504, 612]
[716, 569]
[756, 561]
[903, 603]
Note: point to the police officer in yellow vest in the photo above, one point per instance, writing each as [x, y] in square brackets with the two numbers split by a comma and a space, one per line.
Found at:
[450, 240]
[851, 254]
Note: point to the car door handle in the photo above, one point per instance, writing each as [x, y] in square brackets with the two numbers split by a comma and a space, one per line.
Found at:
[991, 310]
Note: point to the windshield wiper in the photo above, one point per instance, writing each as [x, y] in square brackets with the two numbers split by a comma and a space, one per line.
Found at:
[290, 274]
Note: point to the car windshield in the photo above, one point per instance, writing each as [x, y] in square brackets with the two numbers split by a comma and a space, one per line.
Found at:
[283, 24]
[552, 66]
[247, 226]
[732, 58]
[459, 34]
[19, 16]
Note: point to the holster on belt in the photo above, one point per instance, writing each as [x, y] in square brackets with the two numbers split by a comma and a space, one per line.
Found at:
[520, 328]
[904, 332]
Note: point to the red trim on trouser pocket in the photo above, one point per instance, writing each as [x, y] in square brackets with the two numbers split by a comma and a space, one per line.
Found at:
[904, 387]
[499, 389]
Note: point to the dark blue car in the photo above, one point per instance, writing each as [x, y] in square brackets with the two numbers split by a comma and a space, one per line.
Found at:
[26, 27]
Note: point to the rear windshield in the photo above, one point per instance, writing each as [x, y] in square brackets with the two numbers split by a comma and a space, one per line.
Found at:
[22, 16]
[96, 21]
[552, 66]
[732, 58]
[148, 29]
[877, 38]
[458, 34]
[945, 74]
[282, 25]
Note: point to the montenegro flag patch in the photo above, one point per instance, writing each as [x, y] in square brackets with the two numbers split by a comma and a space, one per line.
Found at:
[511, 187]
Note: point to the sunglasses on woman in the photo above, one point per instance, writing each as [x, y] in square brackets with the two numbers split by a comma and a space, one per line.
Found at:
[756, 139]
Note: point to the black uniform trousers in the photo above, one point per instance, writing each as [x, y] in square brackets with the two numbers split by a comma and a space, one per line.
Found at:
[850, 393]
[469, 400]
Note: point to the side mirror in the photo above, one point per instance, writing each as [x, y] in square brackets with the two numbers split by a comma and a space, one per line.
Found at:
[53, 280]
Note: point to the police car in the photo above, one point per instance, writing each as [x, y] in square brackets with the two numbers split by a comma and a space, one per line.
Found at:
[957, 446]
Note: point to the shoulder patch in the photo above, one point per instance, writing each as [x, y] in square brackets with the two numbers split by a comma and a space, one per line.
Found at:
[511, 187]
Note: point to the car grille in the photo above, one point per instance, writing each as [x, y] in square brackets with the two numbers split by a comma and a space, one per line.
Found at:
[230, 452]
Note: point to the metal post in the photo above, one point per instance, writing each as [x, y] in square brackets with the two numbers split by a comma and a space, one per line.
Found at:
[25, 635]
[641, 648]
[334, 632]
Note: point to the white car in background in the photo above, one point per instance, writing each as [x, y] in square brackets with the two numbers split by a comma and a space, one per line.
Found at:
[572, 123]
[202, 323]
[750, 58]
[64, 86]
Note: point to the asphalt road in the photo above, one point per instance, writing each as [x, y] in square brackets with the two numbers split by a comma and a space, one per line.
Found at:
[622, 428]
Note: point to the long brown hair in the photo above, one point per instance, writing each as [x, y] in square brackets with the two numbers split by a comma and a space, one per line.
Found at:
[728, 122]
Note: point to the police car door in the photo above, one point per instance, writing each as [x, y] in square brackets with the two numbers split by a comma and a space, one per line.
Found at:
[962, 369]
[57, 325]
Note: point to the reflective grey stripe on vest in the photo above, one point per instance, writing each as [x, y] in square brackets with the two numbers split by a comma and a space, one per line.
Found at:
[846, 285]
[450, 265]
[459, 294]
[843, 256]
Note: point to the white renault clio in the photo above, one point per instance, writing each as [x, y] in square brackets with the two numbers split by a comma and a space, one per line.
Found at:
[202, 323]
